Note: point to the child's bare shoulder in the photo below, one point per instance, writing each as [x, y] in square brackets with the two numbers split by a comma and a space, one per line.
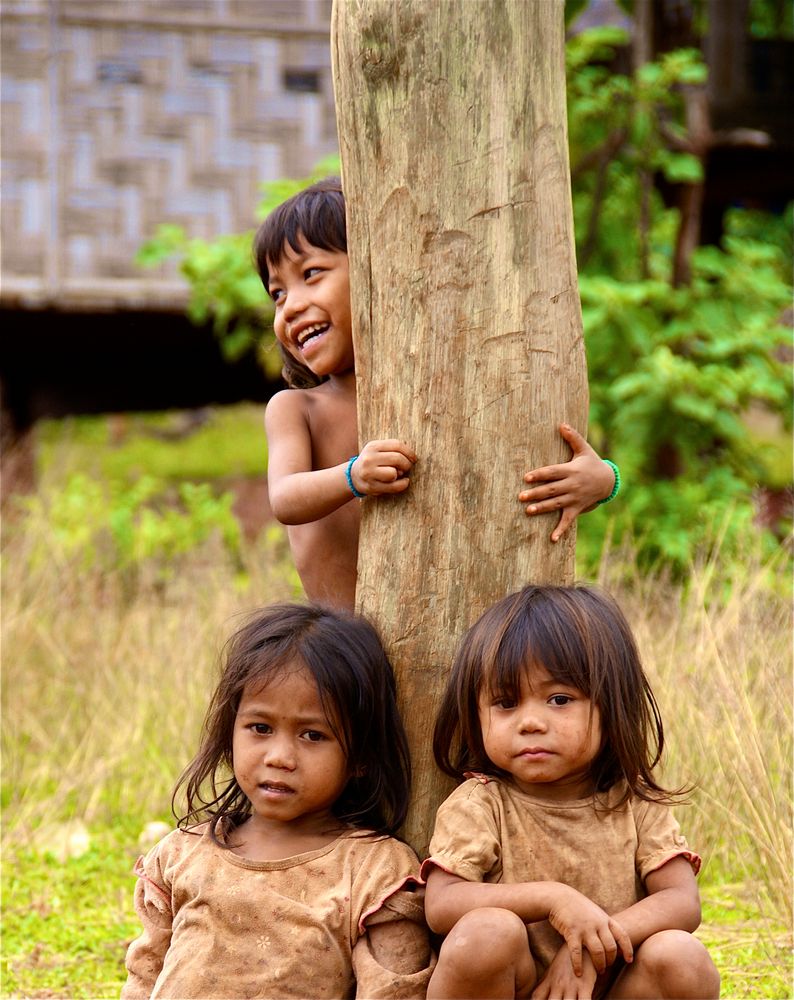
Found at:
[304, 405]
[287, 407]
[287, 401]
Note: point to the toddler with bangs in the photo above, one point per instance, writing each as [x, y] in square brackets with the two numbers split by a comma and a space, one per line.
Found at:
[556, 868]
[284, 878]
[315, 464]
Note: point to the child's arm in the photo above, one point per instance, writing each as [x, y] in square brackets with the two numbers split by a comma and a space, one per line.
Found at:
[573, 915]
[391, 956]
[573, 487]
[299, 494]
[672, 903]
[146, 954]
[393, 959]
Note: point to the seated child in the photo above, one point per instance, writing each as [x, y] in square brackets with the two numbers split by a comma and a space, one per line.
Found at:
[315, 464]
[556, 868]
[282, 879]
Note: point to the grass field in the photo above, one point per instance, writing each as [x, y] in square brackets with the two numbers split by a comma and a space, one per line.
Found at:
[106, 677]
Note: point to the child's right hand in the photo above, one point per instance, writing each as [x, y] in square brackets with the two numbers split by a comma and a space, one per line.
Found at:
[560, 983]
[382, 467]
[585, 925]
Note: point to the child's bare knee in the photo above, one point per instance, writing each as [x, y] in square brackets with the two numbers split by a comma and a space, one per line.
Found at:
[486, 940]
[680, 965]
[489, 931]
[486, 954]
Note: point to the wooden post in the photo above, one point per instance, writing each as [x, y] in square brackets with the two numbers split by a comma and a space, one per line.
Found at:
[466, 317]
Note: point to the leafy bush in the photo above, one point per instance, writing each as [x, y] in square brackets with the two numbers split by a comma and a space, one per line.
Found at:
[116, 526]
[673, 370]
[622, 130]
[224, 287]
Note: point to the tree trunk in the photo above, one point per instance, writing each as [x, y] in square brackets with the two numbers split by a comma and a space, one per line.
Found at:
[466, 317]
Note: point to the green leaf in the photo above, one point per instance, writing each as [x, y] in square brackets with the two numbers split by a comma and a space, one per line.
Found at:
[682, 168]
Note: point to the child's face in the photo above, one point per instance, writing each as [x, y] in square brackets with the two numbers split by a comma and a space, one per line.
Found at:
[311, 292]
[547, 740]
[287, 760]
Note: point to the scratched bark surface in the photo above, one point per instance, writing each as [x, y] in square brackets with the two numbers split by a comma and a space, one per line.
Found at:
[466, 317]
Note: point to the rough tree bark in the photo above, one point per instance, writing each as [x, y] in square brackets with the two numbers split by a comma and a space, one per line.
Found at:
[466, 316]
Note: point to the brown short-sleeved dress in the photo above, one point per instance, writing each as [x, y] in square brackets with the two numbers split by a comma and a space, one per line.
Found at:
[489, 831]
[218, 925]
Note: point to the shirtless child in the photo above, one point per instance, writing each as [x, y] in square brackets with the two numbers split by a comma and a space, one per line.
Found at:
[315, 466]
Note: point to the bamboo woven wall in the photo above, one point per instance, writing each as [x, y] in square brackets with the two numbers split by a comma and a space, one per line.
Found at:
[119, 116]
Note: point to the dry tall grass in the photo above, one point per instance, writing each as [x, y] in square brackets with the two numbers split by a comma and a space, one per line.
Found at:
[106, 685]
[106, 681]
[719, 658]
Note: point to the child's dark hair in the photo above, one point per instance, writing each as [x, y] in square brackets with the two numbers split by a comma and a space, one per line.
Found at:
[316, 215]
[583, 639]
[344, 654]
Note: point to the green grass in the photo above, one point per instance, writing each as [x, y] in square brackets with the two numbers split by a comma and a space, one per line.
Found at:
[67, 923]
[230, 443]
[754, 965]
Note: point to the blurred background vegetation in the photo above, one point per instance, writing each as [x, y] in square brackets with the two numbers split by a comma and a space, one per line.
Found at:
[128, 565]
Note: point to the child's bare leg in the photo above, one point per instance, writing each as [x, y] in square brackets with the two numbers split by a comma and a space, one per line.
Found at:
[669, 965]
[485, 955]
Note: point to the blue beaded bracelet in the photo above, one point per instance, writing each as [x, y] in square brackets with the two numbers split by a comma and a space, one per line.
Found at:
[616, 487]
[353, 490]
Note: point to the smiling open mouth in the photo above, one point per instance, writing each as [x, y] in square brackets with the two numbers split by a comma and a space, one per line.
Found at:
[311, 333]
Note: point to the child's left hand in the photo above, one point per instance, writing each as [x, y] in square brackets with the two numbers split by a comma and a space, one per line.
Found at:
[573, 487]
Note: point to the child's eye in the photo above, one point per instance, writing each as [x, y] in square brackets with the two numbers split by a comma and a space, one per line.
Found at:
[560, 699]
[311, 272]
[504, 701]
[261, 728]
[313, 736]
[276, 293]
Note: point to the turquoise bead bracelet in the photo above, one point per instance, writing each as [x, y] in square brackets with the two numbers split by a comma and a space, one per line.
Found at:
[616, 487]
[358, 495]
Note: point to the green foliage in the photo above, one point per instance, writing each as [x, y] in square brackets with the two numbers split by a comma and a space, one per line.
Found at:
[772, 19]
[225, 289]
[573, 8]
[621, 131]
[673, 371]
[128, 527]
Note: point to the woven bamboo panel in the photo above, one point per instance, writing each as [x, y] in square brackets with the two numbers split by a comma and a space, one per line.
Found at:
[117, 117]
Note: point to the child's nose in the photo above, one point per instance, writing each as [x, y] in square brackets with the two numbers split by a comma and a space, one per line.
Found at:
[293, 304]
[532, 720]
[279, 752]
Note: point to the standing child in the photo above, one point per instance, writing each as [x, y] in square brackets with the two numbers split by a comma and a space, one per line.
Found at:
[315, 465]
[558, 853]
[292, 886]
